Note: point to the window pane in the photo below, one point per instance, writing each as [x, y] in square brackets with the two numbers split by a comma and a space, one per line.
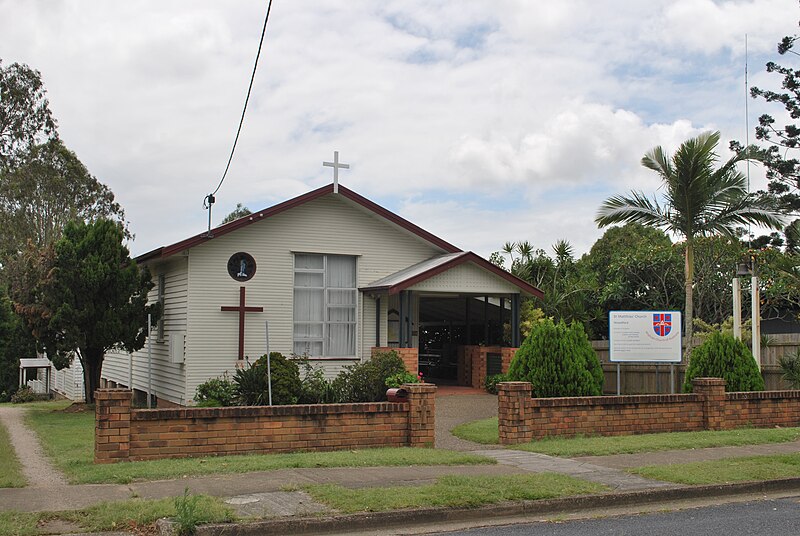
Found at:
[341, 297]
[342, 314]
[308, 304]
[341, 271]
[308, 331]
[308, 280]
[311, 349]
[341, 340]
[309, 262]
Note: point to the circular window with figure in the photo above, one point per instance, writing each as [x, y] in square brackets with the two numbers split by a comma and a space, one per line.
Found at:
[241, 266]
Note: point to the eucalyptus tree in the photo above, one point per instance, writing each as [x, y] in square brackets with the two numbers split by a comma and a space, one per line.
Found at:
[699, 199]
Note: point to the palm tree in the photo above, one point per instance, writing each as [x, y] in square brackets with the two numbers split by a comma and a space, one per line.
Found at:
[698, 200]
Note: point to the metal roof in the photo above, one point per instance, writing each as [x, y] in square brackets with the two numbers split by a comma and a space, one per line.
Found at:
[426, 269]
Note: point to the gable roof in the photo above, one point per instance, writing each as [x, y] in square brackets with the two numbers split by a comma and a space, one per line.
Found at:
[167, 251]
[426, 269]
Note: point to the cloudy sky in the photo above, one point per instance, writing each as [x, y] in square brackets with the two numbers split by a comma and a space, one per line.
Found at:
[481, 121]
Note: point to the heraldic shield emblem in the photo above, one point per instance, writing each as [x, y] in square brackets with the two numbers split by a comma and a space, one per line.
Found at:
[662, 324]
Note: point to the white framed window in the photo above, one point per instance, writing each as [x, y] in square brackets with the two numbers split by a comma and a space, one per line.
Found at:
[325, 305]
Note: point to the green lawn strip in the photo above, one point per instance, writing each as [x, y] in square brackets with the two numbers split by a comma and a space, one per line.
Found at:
[68, 439]
[109, 516]
[485, 431]
[10, 468]
[452, 491]
[726, 470]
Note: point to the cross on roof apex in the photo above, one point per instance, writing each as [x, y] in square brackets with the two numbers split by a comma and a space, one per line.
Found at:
[336, 166]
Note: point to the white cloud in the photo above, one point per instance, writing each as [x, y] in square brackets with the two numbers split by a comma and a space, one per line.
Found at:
[445, 103]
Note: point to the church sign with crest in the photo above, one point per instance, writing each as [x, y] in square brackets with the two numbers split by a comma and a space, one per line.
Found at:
[644, 336]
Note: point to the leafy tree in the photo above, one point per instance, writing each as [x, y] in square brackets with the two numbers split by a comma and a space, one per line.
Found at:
[636, 268]
[48, 188]
[558, 361]
[239, 212]
[14, 343]
[25, 117]
[84, 297]
[724, 356]
[699, 199]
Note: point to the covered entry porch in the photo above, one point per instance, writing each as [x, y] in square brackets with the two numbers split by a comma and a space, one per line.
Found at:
[455, 317]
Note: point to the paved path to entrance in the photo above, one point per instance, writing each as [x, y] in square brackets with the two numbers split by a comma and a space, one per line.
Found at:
[35, 466]
[453, 409]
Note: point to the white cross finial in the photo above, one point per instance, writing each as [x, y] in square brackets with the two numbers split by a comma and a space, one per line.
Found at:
[336, 166]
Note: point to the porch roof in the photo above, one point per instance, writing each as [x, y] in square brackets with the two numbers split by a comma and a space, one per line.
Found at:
[426, 269]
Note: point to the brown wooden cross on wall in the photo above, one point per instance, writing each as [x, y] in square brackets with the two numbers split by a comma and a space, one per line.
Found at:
[242, 309]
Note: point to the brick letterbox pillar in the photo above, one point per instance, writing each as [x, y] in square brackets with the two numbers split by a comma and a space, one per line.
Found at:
[713, 392]
[112, 432]
[514, 422]
[421, 412]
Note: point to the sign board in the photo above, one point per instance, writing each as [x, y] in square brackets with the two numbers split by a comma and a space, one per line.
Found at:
[644, 336]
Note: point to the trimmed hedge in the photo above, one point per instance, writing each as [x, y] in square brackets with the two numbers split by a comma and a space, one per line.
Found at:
[558, 360]
[724, 356]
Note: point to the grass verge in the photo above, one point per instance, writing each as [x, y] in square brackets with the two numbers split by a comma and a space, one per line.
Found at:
[485, 431]
[727, 470]
[121, 515]
[452, 491]
[10, 468]
[68, 439]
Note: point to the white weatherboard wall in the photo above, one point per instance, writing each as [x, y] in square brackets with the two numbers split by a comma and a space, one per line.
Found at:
[168, 379]
[466, 276]
[328, 225]
[69, 381]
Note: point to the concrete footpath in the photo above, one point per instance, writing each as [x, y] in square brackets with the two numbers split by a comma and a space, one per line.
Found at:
[270, 495]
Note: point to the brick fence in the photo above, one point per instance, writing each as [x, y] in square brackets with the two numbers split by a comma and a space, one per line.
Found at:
[473, 362]
[709, 407]
[125, 434]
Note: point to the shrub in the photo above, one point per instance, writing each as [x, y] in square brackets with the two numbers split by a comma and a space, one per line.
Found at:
[216, 392]
[790, 366]
[558, 361]
[490, 384]
[396, 380]
[251, 383]
[366, 382]
[24, 394]
[724, 356]
[315, 388]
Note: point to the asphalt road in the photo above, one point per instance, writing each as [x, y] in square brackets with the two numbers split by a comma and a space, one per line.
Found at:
[771, 517]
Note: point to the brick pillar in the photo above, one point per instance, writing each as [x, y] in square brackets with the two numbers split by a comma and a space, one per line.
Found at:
[713, 392]
[410, 356]
[421, 412]
[112, 432]
[514, 422]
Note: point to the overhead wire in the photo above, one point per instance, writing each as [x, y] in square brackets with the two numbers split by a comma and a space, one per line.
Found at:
[209, 199]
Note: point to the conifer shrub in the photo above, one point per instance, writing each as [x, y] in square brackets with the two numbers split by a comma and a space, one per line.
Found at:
[252, 388]
[558, 360]
[724, 356]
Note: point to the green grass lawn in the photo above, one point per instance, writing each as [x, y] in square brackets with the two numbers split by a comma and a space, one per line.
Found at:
[726, 470]
[453, 491]
[10, 468]
[68, 439]
[113, 516]
[485, 431]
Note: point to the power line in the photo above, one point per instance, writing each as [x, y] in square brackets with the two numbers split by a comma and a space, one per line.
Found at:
[209, 199]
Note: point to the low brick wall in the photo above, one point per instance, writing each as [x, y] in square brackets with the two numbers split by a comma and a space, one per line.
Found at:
[123, 434]
[709, 407]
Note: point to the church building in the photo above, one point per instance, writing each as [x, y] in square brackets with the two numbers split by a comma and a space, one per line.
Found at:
[329, 275]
